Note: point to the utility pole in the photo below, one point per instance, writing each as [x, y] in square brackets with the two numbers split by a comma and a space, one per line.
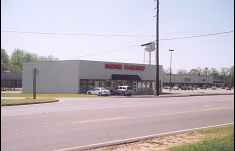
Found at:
[34, 83]
[157, 48]
[34, 73]
[170, 68]
[206, 76]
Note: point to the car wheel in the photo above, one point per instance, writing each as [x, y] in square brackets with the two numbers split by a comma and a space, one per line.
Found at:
[100, 94]
[89, 93]
[123, 93]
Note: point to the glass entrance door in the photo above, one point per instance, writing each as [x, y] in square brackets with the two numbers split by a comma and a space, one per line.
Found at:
[113, 85]
[134, 86]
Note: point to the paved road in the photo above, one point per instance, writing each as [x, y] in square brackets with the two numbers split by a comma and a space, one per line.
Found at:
[79, 123]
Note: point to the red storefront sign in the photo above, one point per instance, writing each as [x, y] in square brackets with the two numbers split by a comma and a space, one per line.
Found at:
[126, 67]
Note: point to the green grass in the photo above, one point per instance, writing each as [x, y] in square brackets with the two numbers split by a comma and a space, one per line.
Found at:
[224, 130]
[216, 144]
[47, 95]
[40, 98]
[26, 101]
[218, 139]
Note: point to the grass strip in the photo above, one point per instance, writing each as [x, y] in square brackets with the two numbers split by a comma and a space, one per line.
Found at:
[225, 143]
[48, 95]
[26, 101]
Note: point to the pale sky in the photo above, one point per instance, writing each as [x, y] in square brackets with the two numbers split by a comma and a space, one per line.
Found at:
[201, 32]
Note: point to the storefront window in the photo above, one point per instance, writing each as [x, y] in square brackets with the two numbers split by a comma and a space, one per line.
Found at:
[83, 85]
[129, 83]
[119, 82]
[91, 84]
[102, 83]
[108, 84]
[97, 83]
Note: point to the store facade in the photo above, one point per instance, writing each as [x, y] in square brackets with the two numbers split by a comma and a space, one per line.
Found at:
[78, 76]
[189, 80]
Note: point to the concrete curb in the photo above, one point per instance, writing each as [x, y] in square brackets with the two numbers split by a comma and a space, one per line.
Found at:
[171, 95]
[136, 139]
[136, 96]
[29, 103]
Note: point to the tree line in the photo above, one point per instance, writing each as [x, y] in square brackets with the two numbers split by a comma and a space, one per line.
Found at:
[14, 62]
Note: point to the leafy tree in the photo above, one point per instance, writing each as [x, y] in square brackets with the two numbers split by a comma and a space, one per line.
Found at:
[231, 76]
[30, 57]
[4, 60]
[224, 71]
[214, 72]
[16, 69]
[19, 56]
[17, 59]
[49, 58]
[231, 70]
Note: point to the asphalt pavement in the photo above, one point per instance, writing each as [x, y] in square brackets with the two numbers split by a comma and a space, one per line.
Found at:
[163, 93]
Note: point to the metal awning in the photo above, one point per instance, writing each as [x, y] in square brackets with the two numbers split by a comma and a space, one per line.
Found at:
[125, 77]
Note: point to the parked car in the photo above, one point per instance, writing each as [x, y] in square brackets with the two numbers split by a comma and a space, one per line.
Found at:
[166, 87]
[184, 88]
[100, 91]
[228, 88]
[122, 90]
[213, 88]
[203, 87]
[176, 88]
[190, 88]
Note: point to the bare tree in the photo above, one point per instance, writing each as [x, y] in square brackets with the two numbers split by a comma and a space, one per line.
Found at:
[182, 71]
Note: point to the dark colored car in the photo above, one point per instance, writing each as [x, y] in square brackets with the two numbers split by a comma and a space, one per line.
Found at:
[203, 87]
[228, 88]
[184, 88]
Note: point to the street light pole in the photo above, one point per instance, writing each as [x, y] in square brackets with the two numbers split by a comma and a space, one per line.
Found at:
[170, 68]
[206, 77]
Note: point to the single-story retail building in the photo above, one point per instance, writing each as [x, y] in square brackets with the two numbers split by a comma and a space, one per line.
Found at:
[11, 80]
[78, 76]
[189, 80]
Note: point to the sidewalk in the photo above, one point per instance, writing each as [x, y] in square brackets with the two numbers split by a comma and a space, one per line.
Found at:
[12, 98]
[176, 94]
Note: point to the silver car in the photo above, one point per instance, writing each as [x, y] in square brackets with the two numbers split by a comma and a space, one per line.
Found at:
[100, 91]
[213, 88]
[123, 90]
[176, 88]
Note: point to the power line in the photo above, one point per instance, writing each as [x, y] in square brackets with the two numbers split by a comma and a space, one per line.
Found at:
[65, 34]
[25, 32]
[105, 52]
[200, 35]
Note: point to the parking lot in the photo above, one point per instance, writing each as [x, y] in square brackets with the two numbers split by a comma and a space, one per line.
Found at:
[208, 90]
